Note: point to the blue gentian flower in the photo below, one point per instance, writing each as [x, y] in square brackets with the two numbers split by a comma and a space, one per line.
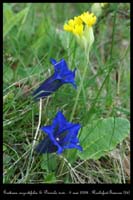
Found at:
[60, 135]
[61, 75]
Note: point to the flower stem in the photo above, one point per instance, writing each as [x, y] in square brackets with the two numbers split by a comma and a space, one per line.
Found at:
[79, 89]
[76, 101]
[39, 122]
[34, 141]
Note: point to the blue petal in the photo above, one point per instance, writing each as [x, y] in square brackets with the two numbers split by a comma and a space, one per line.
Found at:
[60, 135]
[71, 137]
[61, 67]
[63, 73]
[47, 129]
[60, 150]
[61, 76]
[47, 87]
[59, 121]
[46, 146]
[53, 61]
[52, 137]
[69, 78]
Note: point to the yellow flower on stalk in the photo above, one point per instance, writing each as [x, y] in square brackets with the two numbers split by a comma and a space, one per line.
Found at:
[88, 18]
[78, 30]
[78, 20]
[74, 25]
[69, 26]
[81, 27]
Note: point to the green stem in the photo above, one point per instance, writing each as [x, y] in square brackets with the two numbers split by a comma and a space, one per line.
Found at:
[75, 104]
[79, 90]
[113, 33]
[108, 85]
[30, 163]
[98, 94]
[61, 166]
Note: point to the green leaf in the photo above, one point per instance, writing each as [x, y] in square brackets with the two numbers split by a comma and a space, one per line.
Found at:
[8, 13]
[49, 163]
[44, 164]
[102, 136]
[50, 178]
[14, 20]
[52, 162]
[4, 148]
[72, 157]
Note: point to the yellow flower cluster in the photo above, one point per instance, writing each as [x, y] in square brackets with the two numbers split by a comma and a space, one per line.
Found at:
[76, 25]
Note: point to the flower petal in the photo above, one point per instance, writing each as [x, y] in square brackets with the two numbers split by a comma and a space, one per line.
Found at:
[46, 146]
[71, 137]
[61, 75]
[52, 137]
[47, 87]
[47, 129]
[69, 78]
[59, 121]
[53, 61]
[60, 150]
[61, 67]
[60, 135]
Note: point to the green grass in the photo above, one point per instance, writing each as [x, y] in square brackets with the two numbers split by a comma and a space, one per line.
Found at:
[30, 40]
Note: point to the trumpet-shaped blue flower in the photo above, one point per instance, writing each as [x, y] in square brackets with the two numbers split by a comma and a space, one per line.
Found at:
[61, 75]
[60, 135]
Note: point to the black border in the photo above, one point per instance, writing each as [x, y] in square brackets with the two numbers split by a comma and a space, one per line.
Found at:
[66, 189]
[104, 190]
